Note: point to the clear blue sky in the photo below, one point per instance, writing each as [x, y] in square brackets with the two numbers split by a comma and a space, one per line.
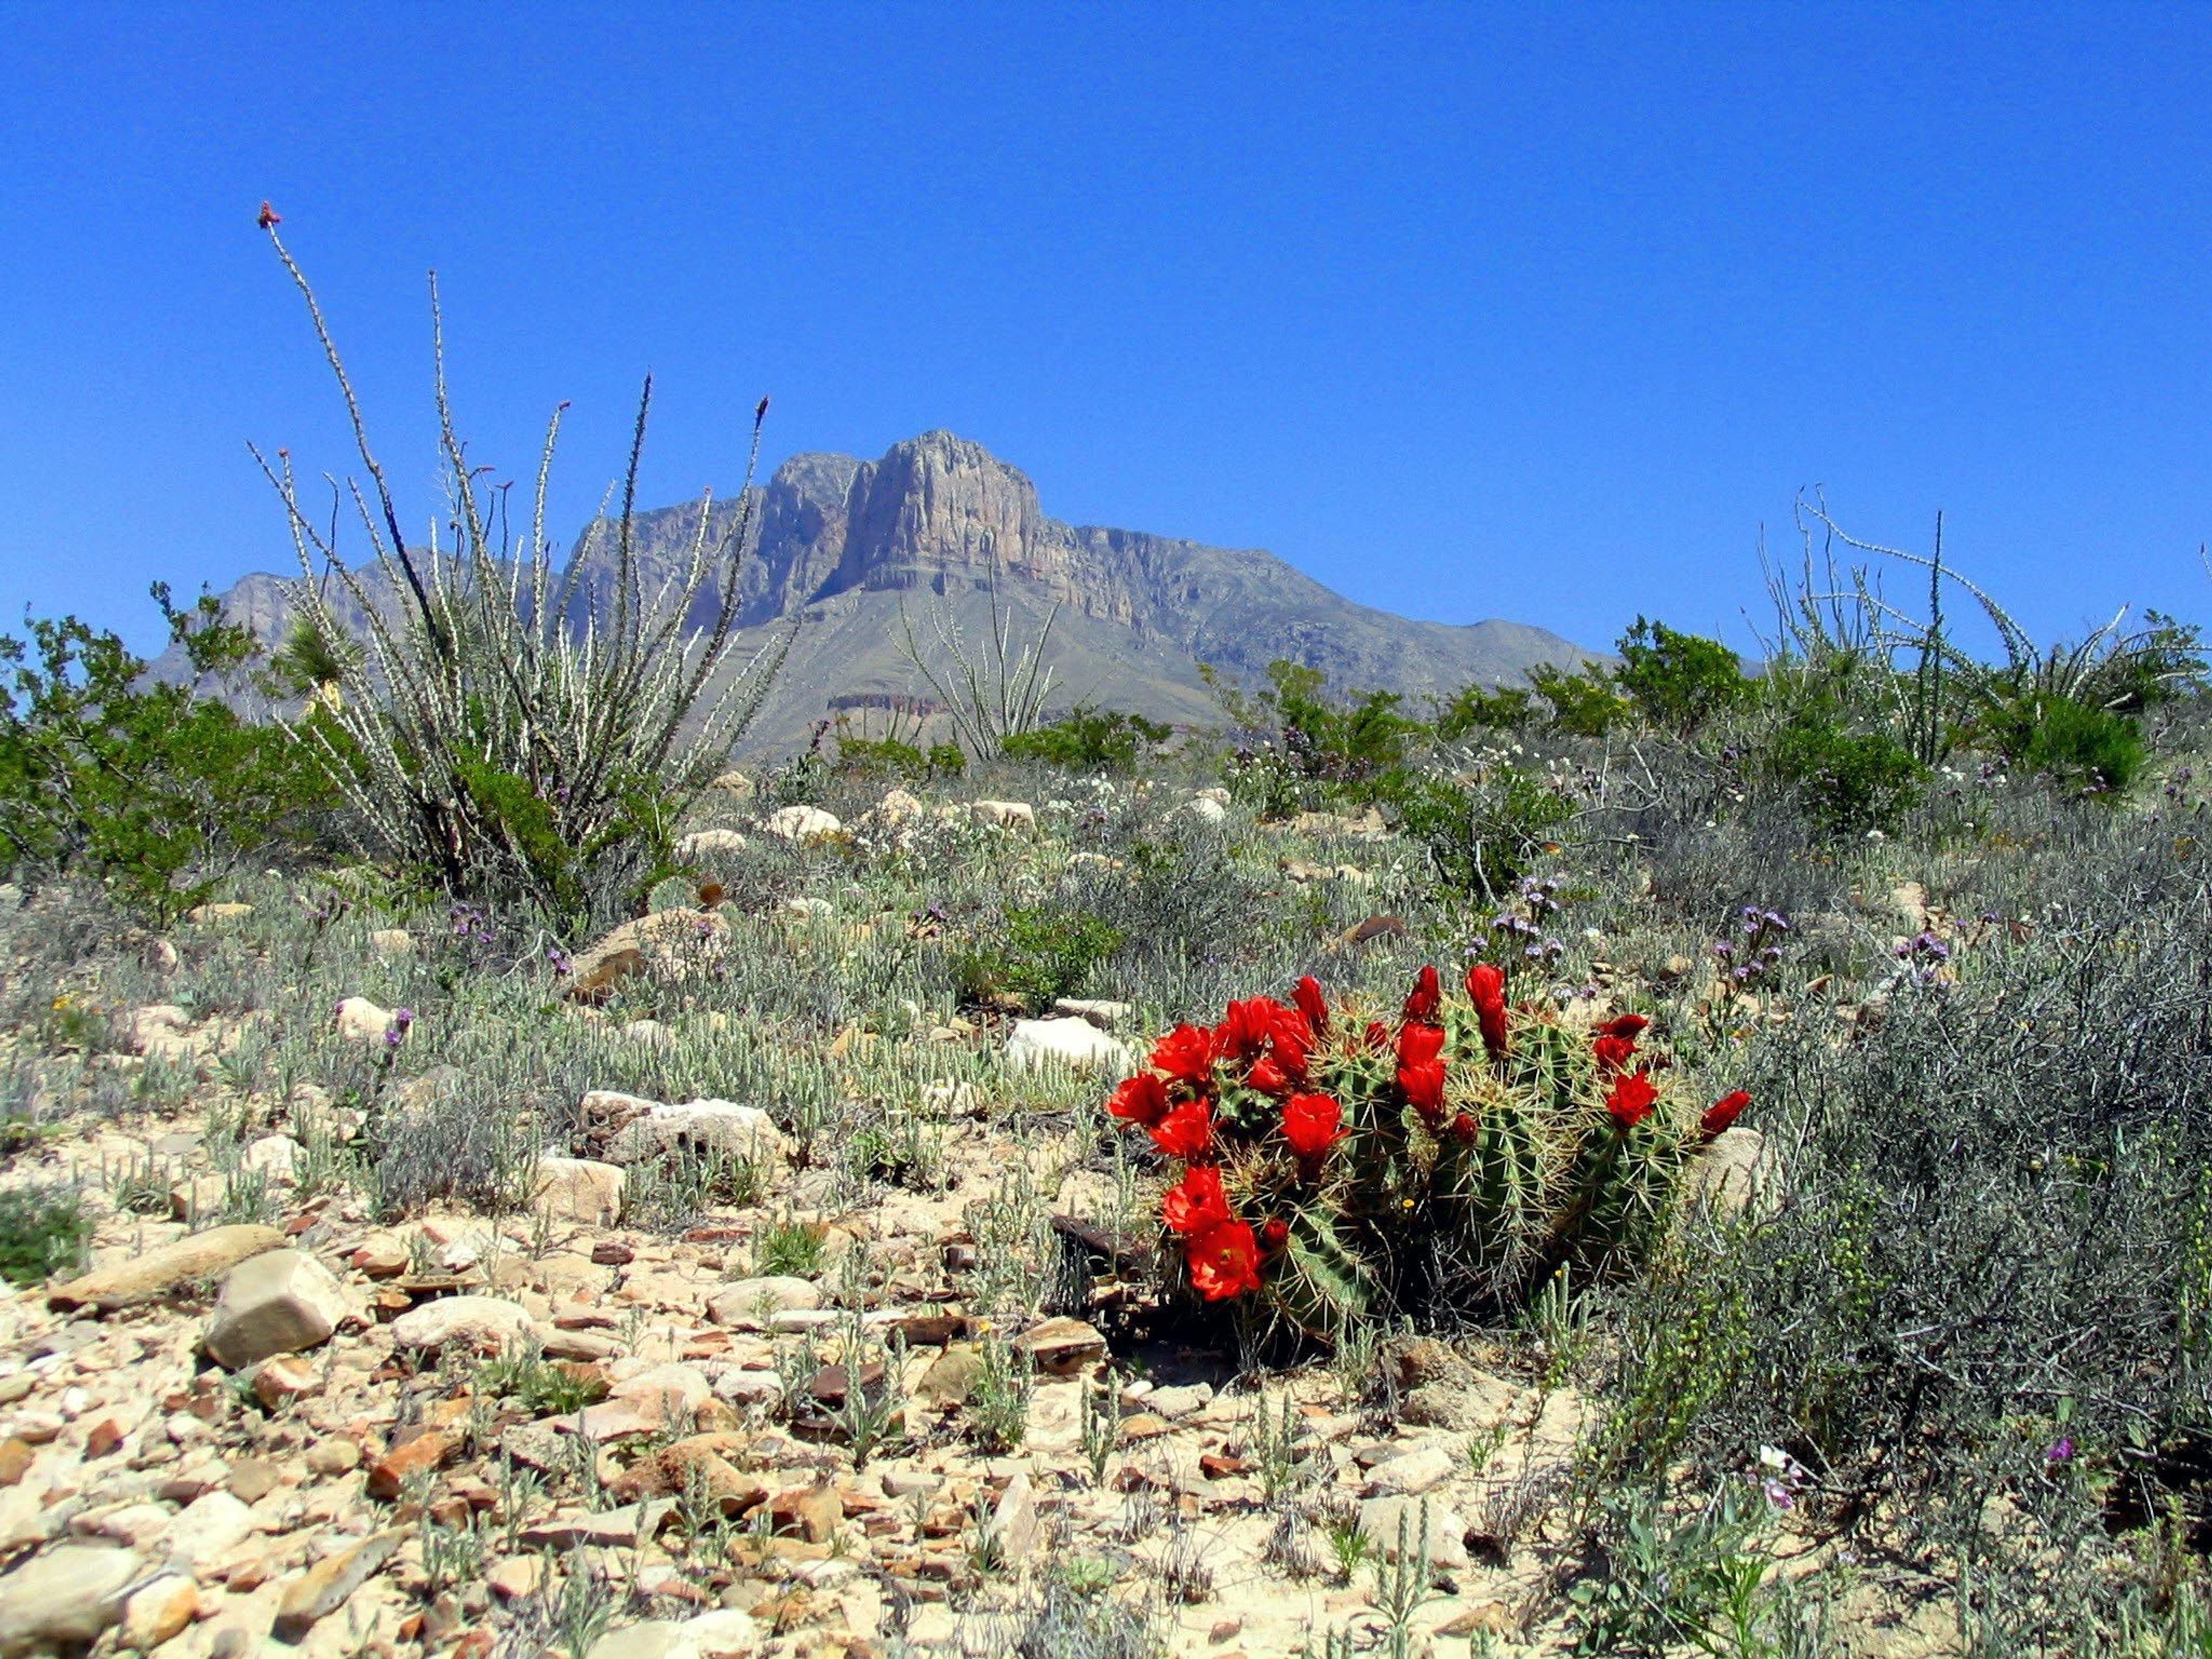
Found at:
[1531, 312]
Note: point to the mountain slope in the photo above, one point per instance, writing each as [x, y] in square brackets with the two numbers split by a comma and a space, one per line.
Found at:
[843, 545]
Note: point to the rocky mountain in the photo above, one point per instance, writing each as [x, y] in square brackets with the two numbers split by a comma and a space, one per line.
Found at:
[844, 544]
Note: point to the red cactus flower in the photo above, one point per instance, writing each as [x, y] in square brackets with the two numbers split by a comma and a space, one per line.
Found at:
[1723, 1113]
[1292, 1036]
[1186, 1132]
[1427, 996]
[1632, 1099]
[1312, 1124]
[1486, 984]
[1268, 1076]
[1378, 1036]
[1143, 1099]
[1624, 1025]
[1187, 1055]
[1421, 1070]
[1275, 1233]
[1244, 1032]
[1223, 1261]
[1312, 1004]
[1613, 1054]
[1196, 1202]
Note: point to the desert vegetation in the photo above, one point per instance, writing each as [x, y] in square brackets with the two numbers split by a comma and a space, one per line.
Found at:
[1661, 1159]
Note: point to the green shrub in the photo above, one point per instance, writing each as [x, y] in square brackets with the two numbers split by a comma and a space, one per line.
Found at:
[1480, 836]
[1040, 954]
[1088, 739]
[2078, 747]
[43, 1230]
[1476, 708]
[1678, 681]
[947, 760]
[1847, 782]
[1584, 705]
[156, 790]
[881, 757]
[1320, 738]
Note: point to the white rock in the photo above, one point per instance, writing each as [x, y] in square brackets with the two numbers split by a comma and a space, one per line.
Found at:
[359, 1020]
[802, 825]
[1076, 1043]
[481, 1322]
[898, 807]
[580, 1189]
[750, 1303]
[812, 908]
[279, 1301]
[1738, 1171]
[157, 1026]
[391, 942]
[1206, 810]
[1410, 1474]
[276, 1156]
[667, 1390]
[1379, 1519]
[721, 1127]
[1215, 794]
[705, 845]
[214, 1522]
[158, 1611]
[734, 783]
[64, 1597]
[1005, 814]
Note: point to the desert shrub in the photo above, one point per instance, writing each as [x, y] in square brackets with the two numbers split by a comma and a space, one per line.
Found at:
[43, 1230]
[1846, 782]
[1584, 705]
[2078, 747]
[1336, 1169]
[1481, 835]
[1320, 738]
[522, 733]
[439, 1144]
[1088, 739]
[1677, 681]
[155, 790]
[1039, 954]
[1476, 708]
[881, 758]
[1980, 1322]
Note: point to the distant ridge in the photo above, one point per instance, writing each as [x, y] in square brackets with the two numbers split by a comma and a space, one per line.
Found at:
[842, 542]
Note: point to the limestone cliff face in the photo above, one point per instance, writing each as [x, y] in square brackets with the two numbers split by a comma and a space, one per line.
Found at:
[844, 542]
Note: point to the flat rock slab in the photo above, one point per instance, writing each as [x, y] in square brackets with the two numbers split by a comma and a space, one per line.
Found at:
[64, 1598]
[324, 1588]
[481, 1321]
[154, 1275]
[279, 1302]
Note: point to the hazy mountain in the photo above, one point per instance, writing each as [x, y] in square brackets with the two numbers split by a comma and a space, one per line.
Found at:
[842, 544]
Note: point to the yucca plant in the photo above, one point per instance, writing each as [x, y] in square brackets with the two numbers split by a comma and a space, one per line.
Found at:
[523, 732]
[1337, 1168]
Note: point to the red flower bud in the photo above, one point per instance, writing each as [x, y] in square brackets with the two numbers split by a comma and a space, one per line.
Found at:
[1275, 1233]
[1613, 1054]
[1485, 985]
[1426, 997]
[1723, 1113]
[1624, 1025]
[1314, 1005]
[1312, 1124]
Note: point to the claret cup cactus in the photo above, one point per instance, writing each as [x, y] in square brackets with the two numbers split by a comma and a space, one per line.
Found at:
[1332, 1165]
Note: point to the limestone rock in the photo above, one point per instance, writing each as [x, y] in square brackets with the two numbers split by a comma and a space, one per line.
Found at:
[1738, 1171]
[158, 1610]
[1061, 1345]
[668, 943]
[736, 785]
[481, 1321]
[1206, 810]
[707, 845]
[157, 1028]
[359, 1020]
[391, 942]
[150, 1277]
[580, 1189]
[279, 1302]
[1005, 814]
[324, 1588]
[1016, 1526]
[211, 1524]
[717, 1128]
[64, 1597]
[1075, 1043]
[1380, 1519]
[749, 1303]
[802, 825]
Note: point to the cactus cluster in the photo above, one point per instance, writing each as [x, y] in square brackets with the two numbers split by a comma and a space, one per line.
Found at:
[1336, 1166]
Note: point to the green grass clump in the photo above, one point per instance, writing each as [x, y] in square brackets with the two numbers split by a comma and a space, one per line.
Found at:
[43, 1231]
